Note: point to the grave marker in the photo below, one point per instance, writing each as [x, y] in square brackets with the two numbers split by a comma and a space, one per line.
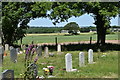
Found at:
[59, 48]
[13, 54]
[68, 62]
[90, 56]
[1, 54]
[39, 51]
[46, 53]
[8, 75]
[81, 59]
[6, 47]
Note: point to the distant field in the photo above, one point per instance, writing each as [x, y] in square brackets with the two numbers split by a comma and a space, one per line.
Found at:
[50, 37]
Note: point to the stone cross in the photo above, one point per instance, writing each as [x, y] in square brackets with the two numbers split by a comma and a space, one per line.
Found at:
[90, 56]
[8, 75]
[68, 62]
[13, 54]
[59, 48]
[39, 51]
[46, 52]
[81, 59]
[6, 47]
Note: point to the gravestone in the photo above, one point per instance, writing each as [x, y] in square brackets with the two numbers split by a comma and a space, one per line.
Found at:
[68, 62]
[13, 54]
[46, 53]
[18, 50]
[1, 54]
[8, 75]
[0, 40]
[90, 56]
[6, 47]
[59, 48]
[81, 59]
[39, 51]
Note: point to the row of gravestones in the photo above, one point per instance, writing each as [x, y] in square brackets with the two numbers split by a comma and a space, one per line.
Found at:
[68, 60]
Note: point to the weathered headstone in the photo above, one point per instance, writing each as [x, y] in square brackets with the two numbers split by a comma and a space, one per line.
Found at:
[8, 75]
[1, 55]
[39, 51]
[68, 62]
[13, 55]
[81, 59]
[46, 53]
[90, 56]
[59, 48]
[6, 47]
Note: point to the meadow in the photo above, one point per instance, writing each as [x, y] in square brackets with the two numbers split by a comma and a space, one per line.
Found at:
[104, 67]
[50, 37]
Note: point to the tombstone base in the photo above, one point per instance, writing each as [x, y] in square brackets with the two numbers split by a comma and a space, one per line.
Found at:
[73, 70]
[92, 63]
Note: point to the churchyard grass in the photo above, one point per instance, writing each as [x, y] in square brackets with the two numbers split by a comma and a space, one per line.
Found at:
[50, 38]
[104, 67]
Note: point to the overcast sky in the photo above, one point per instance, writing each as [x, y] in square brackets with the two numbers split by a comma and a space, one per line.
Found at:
[84, 20]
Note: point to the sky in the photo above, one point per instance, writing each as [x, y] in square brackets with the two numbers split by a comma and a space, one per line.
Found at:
[82, 21]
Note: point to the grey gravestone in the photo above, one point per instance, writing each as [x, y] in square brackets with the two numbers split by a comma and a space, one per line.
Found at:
[39, 51]
[6, 47]
[81, 59]
[13, 55]
[1, 54]
[90, 56]
[46, 53]
[68, 62]
[8, 75]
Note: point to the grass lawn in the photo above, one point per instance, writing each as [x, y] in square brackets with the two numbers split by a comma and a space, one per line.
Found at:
[50, 38]
[105, 67]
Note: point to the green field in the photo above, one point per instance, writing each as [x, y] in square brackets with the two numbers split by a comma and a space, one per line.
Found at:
[50, 38]
[104, 67]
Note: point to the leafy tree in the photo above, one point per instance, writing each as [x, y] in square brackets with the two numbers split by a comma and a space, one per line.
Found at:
[72, 27]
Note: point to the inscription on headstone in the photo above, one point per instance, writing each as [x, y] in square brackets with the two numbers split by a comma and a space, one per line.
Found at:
[8, 75]
[81, 59]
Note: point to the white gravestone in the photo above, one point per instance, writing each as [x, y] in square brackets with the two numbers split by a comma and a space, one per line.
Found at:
[59, 48]
[39, 51]
[81, 59]
[6, 47]
[13, 55]
[46, 53]
[68, 62]
[90, 56]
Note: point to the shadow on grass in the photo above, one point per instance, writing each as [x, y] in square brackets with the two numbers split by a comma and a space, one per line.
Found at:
[81, 47]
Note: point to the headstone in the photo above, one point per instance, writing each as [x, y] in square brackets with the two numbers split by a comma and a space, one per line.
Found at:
[13, 55]
[18, 50]
[6, 47]
[0, 40]
[81, 59]
[8, 75]
[68, 62]
[90, 56]
[46, 53]
[39, 51]
[59, 48]
[1, 55]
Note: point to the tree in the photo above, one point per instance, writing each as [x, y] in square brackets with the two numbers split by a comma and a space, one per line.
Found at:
[102, 13]
[72, 27]
[20, 13]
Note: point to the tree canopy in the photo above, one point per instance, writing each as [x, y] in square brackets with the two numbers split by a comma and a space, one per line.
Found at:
[14, 13]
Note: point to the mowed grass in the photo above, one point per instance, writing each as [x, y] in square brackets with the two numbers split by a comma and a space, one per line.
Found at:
[50, 38]
[104, 67]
